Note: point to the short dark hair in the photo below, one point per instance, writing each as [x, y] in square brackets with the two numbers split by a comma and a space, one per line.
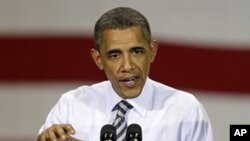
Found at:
[121, 18]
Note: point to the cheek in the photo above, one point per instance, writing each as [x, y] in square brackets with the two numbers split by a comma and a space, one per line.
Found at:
[144, 65]
[147, 66]
[110, 70]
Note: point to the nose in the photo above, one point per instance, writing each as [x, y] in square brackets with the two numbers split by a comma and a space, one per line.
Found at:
[127, 64]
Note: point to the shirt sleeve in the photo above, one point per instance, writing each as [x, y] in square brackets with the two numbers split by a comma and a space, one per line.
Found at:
[58, 114]
[197, 126]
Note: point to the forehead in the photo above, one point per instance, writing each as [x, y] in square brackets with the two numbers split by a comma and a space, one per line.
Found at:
[119, 38]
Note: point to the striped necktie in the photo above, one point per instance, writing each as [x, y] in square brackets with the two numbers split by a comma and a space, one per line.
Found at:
[120, 123]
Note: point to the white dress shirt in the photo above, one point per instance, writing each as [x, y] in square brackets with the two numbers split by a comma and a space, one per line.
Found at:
[164, 113]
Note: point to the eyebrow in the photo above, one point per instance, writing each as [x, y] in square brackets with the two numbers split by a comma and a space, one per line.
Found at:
[119, 51]
[137, 47]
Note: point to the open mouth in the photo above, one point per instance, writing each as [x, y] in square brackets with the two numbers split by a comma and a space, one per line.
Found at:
[130, 82]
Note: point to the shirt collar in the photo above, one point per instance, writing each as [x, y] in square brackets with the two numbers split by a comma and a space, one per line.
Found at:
[141, 104]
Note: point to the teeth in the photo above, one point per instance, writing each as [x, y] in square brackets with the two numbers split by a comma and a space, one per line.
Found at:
[130, 83]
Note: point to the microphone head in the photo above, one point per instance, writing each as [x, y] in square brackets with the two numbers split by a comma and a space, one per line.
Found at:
[134, 131]
[108, 132]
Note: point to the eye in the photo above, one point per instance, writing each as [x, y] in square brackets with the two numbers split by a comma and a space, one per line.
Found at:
[138, 51]
[114, 55]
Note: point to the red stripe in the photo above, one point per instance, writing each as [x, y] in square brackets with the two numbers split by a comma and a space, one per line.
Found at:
[196, 67]
[177, 64]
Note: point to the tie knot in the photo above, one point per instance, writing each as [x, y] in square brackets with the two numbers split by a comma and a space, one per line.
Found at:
[122, 107]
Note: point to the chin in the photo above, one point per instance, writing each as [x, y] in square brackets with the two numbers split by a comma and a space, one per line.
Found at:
[130, 95]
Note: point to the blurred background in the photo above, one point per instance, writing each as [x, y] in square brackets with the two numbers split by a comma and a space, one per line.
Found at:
[44, 52]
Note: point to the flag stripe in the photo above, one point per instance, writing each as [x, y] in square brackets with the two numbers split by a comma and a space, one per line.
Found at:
[182, 65]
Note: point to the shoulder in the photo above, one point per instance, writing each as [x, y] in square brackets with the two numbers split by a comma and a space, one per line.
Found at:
[180, 104]
[174, 97]
[86, 92]
[185, 110]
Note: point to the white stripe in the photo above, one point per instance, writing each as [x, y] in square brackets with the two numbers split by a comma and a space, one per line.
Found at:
[123, 106]
[122, 137]
[117, 121]
[119, 129]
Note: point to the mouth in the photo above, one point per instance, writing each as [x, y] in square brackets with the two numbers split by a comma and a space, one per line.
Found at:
[130, 82]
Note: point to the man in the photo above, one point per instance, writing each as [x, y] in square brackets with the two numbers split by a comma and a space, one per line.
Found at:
[124, 50]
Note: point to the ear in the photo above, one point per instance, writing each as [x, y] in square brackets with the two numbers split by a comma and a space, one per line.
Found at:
[96, 58]
[153, 48]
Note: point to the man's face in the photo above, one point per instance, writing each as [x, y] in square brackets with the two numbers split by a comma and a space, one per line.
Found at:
[125, 56]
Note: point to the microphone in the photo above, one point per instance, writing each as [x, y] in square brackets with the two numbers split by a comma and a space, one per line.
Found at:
[134, 133]
[108, 133]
